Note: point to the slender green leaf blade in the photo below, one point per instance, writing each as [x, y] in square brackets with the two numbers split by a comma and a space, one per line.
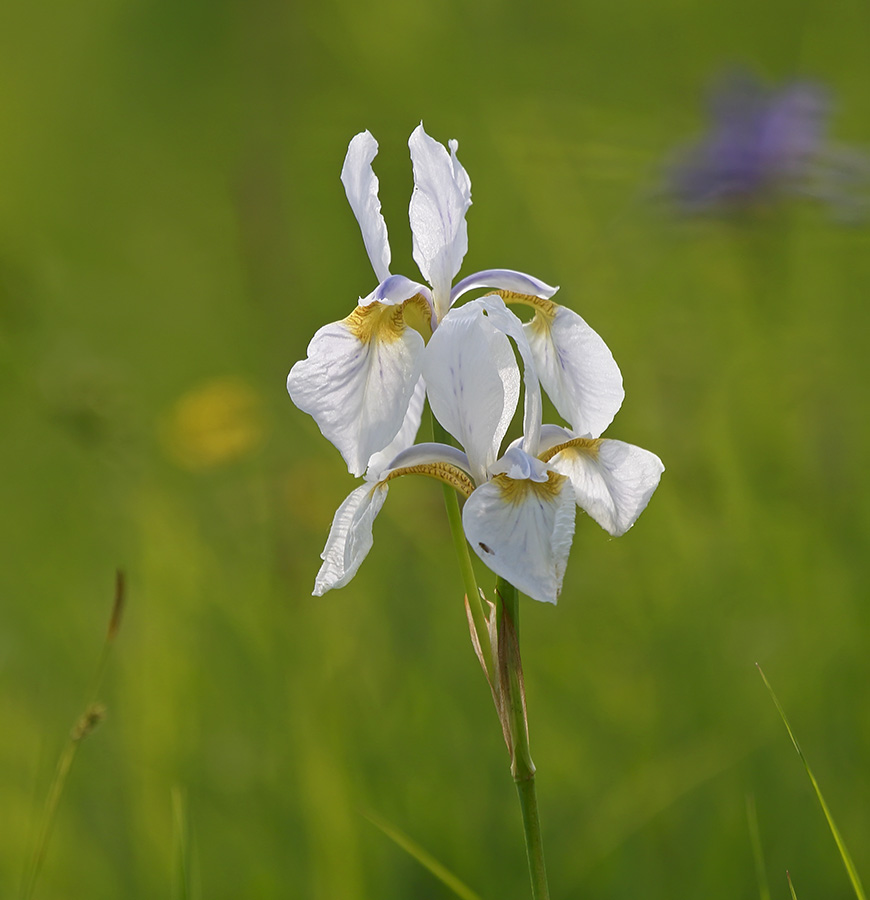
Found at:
[757, 853]
[841, 846]
[441, 872]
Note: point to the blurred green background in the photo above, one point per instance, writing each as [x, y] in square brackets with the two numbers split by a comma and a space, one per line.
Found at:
[172, 233]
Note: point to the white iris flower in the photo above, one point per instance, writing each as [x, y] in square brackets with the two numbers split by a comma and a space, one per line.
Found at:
[519, 509]
[363, 378]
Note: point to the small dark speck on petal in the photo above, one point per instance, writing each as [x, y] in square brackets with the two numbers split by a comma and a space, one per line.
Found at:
[484, 547]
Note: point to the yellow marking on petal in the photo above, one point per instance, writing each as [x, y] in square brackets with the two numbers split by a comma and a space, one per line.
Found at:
[377, 321]
[450, 475]
[418, 315]
[581, 446]
[517, 490]
[387, 322]
[545, 310]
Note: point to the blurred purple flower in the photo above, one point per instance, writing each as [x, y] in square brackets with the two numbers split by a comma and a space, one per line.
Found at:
[763, 144]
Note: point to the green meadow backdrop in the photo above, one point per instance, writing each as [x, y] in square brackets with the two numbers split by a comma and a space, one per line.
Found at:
[173, 231]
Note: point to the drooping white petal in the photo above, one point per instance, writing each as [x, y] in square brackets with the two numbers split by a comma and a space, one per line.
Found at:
[509, 324]
[406, 436]
[613, 481]
[522, 530]
[350, 537]
[442, 195]
[361, 186]
[358, 380]
[503, 280]
[473, 383]
[576, 368]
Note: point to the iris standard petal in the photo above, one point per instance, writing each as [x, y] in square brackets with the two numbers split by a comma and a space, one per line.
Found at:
[613, 481]
[358, 380]
[503, 280]
[576, 368]
[507, 323]
[473, 383]
[361, 186]
[522, 530]
[441, 197]
[350, 537]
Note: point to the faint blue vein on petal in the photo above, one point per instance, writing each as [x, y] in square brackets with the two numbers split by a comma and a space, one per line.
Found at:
[473, 383]
[361, 186]
[366, 378]
[358, 380]
[441, 198]
[522, 529]
[576, 368]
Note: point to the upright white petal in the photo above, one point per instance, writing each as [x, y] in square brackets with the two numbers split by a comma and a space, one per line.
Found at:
[509, 324]
[361, 186]
[613, 481]
[576, 368]
[473, 383]
[406, 436]
[503, 280]
[358, 380]
[522, 530]
[442, 195]
[350, 537]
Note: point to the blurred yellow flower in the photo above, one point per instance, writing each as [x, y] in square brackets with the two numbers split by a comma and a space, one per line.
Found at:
[216, 422]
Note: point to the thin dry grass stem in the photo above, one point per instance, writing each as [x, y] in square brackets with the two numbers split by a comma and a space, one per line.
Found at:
[93, 714]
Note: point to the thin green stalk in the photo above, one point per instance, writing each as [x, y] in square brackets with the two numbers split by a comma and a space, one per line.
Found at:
[506, 682]
[469, 580]
[522, 767]
[534, 843]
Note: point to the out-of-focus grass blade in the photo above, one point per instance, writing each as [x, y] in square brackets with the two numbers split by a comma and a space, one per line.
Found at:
[181, 844]
[425, 859]
[755, 839]
[790, 885]
[841, 846]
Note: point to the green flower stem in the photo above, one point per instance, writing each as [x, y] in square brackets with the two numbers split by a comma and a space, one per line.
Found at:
[469, 580]
[475, 604]
[534, 844]
[507, 680]
[522, 767]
